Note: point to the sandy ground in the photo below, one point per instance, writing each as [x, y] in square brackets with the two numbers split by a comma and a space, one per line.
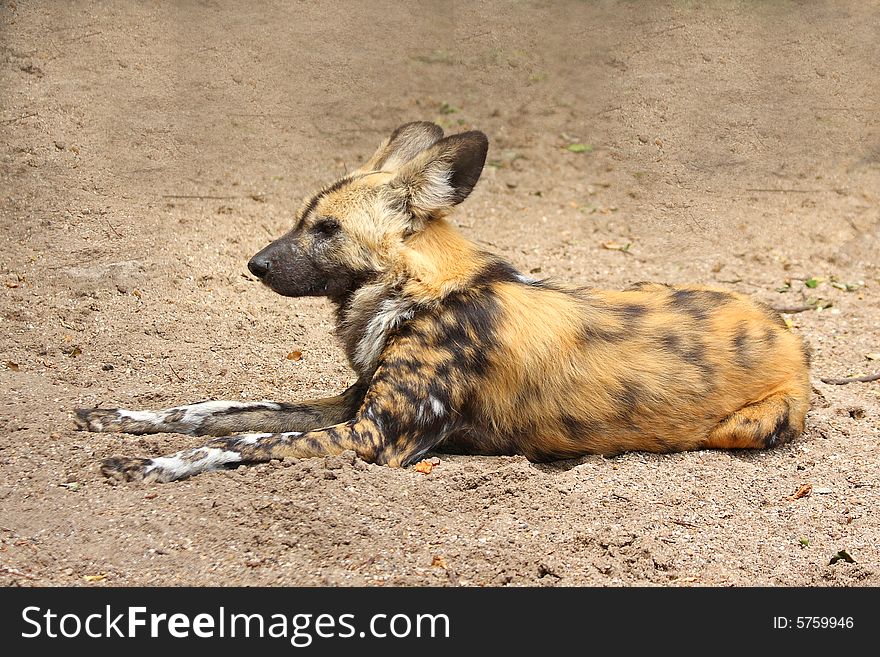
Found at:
[149, 149]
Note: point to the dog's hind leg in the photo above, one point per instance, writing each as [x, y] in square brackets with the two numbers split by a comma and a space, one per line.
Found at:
[772, 421]
[222, 418]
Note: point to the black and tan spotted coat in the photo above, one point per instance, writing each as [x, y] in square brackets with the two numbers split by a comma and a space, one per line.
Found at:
[455, 350]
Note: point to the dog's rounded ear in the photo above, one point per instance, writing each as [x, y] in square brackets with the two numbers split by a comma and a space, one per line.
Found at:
[442, 176]
[403, 145]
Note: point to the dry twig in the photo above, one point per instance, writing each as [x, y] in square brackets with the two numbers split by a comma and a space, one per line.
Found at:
[854, 379]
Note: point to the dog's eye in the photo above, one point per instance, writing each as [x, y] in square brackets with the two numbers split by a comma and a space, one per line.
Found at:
[326, 227]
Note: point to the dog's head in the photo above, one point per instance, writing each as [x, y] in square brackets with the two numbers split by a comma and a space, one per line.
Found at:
[349, 232]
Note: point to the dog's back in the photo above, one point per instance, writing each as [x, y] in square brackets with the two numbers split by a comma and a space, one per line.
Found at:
[547, 371]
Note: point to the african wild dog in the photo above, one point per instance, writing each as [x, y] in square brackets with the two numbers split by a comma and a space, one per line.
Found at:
[456, 351]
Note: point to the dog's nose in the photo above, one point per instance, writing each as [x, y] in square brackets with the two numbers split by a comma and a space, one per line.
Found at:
[259, 266]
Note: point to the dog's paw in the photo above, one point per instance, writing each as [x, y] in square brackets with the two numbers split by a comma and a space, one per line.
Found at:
[123, 468]
[96, 419]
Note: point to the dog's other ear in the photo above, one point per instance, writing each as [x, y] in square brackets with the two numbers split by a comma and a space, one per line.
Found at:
[442, 176]
[404, 144]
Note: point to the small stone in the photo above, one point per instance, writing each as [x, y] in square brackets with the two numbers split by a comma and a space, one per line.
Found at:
[106, 367]
[60, 145]
[643, 139]
[822, 491]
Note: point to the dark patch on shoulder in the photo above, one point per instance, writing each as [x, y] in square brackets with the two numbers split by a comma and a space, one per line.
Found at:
[468, 329]
[494, 272]
[698, 304]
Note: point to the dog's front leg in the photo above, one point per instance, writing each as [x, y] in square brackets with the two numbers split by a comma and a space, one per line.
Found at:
[222, 418]
[382, 433]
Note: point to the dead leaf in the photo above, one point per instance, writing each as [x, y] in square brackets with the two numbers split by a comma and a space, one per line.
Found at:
[424, 467]
[615, 246]
[94, 578]
[295, 355]
[803, 491]
[439, 562]
[10, 365]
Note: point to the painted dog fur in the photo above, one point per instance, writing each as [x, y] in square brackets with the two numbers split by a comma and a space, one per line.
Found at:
[455, 350]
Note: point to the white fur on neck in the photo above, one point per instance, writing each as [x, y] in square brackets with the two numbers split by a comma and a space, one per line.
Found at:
[390, 314]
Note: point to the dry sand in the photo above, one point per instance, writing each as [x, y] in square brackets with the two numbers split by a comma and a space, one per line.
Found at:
[149, 149]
